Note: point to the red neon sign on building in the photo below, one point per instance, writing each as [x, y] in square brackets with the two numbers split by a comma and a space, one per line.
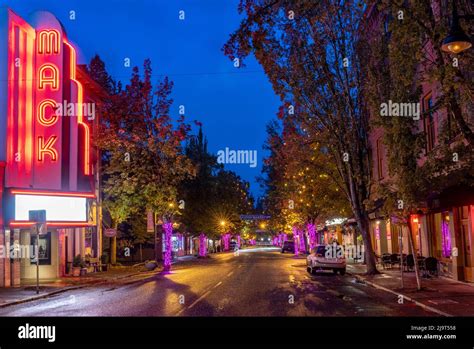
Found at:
[44, 150]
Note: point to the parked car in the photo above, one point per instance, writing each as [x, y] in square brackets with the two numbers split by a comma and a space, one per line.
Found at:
[288, 246]
[319, 259]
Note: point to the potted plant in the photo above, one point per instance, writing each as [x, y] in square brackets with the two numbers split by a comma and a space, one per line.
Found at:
[77, 265]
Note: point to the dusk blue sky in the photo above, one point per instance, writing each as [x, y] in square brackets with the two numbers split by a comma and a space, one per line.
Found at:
[234, 105]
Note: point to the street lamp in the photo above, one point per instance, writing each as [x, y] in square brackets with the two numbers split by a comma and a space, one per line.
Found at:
[457, 40]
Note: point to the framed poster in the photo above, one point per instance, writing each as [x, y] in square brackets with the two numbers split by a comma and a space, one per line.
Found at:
[44, 249]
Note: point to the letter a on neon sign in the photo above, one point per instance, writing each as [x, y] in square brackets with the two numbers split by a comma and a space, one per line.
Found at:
[49, 75]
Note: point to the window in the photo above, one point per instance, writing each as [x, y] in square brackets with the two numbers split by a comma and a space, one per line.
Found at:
[44, 249]
[380, 155]
[429, 123]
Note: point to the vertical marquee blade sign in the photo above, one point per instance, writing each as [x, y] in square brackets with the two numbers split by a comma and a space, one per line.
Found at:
[45, 148]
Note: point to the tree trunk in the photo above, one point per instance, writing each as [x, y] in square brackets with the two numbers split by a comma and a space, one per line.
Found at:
[412, 247]
[158, 244]
[363, 223]
[113, 246]
[113, 251]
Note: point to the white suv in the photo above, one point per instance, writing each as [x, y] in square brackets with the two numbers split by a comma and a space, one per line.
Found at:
[327, 257]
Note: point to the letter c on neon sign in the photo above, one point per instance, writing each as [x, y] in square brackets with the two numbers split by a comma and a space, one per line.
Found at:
[42, 110]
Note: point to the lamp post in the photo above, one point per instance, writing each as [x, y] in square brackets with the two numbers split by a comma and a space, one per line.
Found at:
[457, 40]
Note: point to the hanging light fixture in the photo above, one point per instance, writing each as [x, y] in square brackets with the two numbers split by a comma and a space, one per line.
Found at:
[457, 40]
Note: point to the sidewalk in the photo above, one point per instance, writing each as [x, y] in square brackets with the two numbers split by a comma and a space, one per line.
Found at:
[123, 274]
[27, 291]
[440, 295]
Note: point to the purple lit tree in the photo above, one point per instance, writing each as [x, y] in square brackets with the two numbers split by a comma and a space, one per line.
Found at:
[283, 238]
[202, 245]
[446, 239]
[312, 235]
[301, 236]
[296, 239]
[226, 240]
[168, 228]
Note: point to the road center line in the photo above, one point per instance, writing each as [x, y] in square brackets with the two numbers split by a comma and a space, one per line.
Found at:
[218, 284]
[199, 299]
[230, 273]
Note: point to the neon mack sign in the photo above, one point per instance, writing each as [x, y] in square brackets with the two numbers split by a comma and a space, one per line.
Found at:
[44, 149]
[48, 43]
[48, 79]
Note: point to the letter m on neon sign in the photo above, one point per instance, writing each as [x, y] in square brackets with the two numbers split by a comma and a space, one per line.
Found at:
[48, 42]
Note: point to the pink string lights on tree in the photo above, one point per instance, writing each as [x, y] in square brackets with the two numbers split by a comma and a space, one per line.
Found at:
[302, 242]
[276, 241]
[202, 245]
[283, 238]
[226, 239]
[312, 235]
[296, 240]
[168, 228]
[446, 239]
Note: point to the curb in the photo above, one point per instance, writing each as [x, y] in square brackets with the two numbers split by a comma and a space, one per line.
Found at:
[424, 306]
[70, 288]
[34, 298]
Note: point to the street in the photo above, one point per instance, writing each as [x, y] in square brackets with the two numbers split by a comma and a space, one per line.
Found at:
[254, 282]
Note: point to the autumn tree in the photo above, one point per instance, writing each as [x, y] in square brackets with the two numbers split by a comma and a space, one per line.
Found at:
[197, 192]
[308, 51]
[302, 179]
[232, 199]
[142, 147]
[214, 194]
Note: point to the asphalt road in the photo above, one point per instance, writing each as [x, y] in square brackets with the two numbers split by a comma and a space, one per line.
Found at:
[256, 282]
